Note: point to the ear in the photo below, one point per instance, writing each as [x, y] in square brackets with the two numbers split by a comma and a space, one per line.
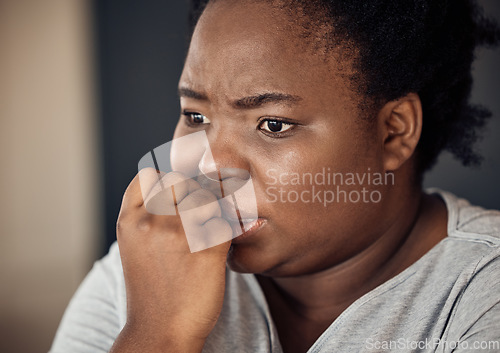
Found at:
[400, 123]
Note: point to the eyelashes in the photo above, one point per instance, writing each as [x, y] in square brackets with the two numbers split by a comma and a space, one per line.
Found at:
[194, 119]
[274, 127]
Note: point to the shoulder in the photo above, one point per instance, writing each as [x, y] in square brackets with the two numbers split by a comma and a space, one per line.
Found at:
[470, 222]
[474, 239]
[97, 311]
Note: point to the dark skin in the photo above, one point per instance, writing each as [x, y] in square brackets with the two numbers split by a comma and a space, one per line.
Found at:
[311, 261]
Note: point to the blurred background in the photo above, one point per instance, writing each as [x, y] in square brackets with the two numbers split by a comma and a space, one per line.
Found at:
[86, 89]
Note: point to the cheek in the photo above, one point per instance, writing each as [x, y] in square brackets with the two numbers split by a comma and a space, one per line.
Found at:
[313, 218]
[320, 189]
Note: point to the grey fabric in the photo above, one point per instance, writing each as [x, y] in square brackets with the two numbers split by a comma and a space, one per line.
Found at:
[450, 296]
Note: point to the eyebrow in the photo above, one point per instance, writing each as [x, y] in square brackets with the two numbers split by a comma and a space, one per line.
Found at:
[189, 93]
[249, 102]
[265, 98]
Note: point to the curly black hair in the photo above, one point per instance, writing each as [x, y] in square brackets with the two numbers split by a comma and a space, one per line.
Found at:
[403, 46]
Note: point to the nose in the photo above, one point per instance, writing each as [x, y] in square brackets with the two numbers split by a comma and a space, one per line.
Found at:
[207, 165]
[222, 159]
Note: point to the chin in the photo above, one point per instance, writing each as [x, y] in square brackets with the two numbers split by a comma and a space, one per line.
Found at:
[251, 259]
[245, 258]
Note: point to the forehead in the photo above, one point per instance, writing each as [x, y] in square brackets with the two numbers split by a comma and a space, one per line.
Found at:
[240, 46]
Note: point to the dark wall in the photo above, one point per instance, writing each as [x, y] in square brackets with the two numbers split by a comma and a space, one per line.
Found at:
[141, 47]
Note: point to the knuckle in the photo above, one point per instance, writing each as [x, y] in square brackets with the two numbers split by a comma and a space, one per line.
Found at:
[219, 228]
[193, 185]
[122, 220]
[177, 175]
[161, 203]
[201, 205]
[121, 228]
[126, 225]
[144, 224]
[204, 196]
[223, 225]
[147, 170]
[173, 178]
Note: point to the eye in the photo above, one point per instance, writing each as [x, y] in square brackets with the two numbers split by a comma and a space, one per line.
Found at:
[193, 118]
[274, 126]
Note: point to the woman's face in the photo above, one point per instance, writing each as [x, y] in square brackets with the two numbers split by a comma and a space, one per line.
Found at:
[272, 105]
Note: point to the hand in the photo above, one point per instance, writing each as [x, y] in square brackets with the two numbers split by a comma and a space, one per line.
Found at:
[174, 297]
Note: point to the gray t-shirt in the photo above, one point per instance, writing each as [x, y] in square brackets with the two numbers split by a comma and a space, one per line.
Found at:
[448, 301]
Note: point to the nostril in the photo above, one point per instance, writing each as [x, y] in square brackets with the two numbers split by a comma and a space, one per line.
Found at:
[215, 174]
[225, 181]
[208, 167]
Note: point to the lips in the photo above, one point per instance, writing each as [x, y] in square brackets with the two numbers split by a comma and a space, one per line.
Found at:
[251, 229]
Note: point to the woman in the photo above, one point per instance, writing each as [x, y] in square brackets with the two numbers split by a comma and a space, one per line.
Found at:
[365, 94]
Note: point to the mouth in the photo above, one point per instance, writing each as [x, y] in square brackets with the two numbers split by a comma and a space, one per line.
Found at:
[236, 196]
[249, 228]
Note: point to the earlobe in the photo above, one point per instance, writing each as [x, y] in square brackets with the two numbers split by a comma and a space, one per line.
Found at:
[401, 124]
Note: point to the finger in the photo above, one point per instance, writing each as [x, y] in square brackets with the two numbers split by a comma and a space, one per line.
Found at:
[192, 185]
[148, 178]
[145, 179]
[199, 206]
[214, 232]
[166, 194]
[218, 230]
